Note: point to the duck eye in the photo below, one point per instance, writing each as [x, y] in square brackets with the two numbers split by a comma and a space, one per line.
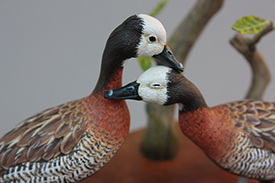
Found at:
[152, 38]
[155, 85]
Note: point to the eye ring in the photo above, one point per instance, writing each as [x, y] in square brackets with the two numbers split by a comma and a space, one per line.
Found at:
[152, 38]
[156, 85]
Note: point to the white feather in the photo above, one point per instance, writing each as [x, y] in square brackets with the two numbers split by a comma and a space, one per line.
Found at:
[154, 27]
[147, 91]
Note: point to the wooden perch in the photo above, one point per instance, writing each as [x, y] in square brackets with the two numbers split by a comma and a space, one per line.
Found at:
[261, 74]
[160, 139]
[189, 30]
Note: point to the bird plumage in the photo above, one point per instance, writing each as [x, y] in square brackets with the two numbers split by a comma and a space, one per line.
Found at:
[65, 143]
[72, 141]
[235, 136]
[238, 136]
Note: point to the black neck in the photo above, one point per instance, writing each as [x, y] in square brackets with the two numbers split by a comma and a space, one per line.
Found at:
[109, 67]
[121, 45]
[185, 93]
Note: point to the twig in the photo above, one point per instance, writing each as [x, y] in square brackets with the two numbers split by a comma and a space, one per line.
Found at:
[261, 74]
[257, 37]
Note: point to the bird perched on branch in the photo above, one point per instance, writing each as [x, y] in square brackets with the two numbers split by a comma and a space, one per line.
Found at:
[72, 141]
[238, 136]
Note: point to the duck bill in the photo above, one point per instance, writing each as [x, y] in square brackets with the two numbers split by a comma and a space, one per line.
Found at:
[167, 57]
[129, 91]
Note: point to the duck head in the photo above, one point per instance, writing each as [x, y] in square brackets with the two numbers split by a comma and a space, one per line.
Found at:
[162, 86]
[139, 36]
[153, 43]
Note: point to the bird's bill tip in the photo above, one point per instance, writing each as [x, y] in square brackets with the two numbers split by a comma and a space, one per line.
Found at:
[167, 57]
[129, 91]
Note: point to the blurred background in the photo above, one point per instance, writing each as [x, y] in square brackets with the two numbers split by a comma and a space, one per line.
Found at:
[50, 52]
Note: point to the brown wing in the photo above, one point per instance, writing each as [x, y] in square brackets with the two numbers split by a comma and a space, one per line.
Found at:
[257, 118]
[44, 136]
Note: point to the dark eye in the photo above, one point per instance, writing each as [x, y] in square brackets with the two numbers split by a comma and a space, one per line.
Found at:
[152, 39]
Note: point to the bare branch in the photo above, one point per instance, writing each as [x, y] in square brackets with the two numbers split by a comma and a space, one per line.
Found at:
[261, 74]
[190, 28]
[257, 37]
[160, 131]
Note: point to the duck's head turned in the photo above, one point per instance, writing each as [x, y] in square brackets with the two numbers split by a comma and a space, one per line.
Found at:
[139, 35]
[153, 42]
[162, 86]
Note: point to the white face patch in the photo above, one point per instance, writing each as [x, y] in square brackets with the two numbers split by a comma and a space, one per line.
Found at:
[153, 85]
[153, 37]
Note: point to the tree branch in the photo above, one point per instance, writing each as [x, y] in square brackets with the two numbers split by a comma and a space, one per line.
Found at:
[190, 28]
[258, 36]
[160, 140]
[261, 74]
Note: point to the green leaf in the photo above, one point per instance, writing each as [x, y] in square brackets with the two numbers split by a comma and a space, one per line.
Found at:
[158, 8]
[251, 25]
[145, 62]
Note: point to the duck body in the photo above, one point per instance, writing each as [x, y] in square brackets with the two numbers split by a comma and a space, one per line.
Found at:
[66, 143]
[72, 141]
[238, 136]
[71, 152]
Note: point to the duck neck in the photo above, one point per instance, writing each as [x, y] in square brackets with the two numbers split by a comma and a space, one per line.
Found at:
[110, 75]
[206, 128]
[120, 46]
[111, 66]
[185, 93]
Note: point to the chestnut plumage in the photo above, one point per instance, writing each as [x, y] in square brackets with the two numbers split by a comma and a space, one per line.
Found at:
[238, 136]
[72, 141]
